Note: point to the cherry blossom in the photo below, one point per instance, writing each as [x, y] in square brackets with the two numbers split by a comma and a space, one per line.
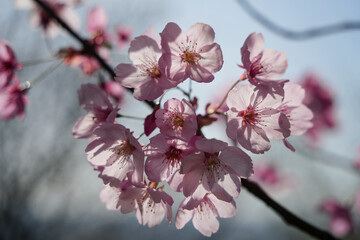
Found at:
[299, 115]
[145, 74]
[340, 218]
[215, 168]
[150, 203]
[321, 102]
[94, 100]
[113, 147]
[116, 91]
[204, 213]
[123, 36]
[8, 63]
[164, 158]
[177, 119]
[254, 119]
[263, 66]
[40, 18]
[12, 101]
[193, 55]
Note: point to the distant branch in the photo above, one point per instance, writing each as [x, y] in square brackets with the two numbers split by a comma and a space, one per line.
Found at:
[297, 35]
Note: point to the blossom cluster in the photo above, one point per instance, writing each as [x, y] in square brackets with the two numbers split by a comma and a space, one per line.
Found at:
[206, 171]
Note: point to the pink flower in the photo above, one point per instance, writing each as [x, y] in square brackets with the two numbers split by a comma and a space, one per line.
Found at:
[262, 66]
[215, 168]
[299, 115]
[40, 18]
[12, 101]
[150, 203]
[177, 119]
[194, 55]
[123, 36]
[145, 74]
[164, 158]
[97, 20]
[96, 25]
[292, 106]
[253, 119]
[8, 63]
[99, 109]
[204, 213]
[116, 91]
[112, 147]
[320, 100]
[340, 218]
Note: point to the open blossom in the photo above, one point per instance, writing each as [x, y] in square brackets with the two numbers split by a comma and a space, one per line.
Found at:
[123, 36]
[215, 168]
[193, 55]
[321, 102]
[262, 66]
[145, 74]
[12, 101]
[204, 213]
[150, 203]
[8, 63]
[253, 119]
[40, 18]
[299, 115]
[112, 147]
[164, 158]
[340, 218]
[94, 100]
[177, 119]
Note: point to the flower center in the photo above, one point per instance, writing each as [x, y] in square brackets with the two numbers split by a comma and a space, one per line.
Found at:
[173, 156]
[250, 116]
[154, 72]
[124, 151]
[256, 68]
[188, 54]
[212, 162]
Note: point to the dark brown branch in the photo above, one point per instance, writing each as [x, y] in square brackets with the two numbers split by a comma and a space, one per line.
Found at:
[285, 214]
[252, 187]
[87, 46]
[298, 35]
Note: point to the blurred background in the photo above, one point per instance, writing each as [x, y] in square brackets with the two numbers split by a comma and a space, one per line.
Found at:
[49, 191]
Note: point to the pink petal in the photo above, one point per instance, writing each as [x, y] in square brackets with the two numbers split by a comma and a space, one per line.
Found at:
[236, 161]
[96, 19]
[201, 33]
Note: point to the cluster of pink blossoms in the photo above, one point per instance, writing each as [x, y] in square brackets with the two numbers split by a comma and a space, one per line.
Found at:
[12, 95]
[206, 170]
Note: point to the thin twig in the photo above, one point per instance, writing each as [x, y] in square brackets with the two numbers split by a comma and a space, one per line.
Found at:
[87, 46]
[297, 35]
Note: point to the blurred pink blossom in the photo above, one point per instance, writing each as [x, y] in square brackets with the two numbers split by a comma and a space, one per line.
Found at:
[12, 100]
[320, 100]
[340, 217]
[8, 63]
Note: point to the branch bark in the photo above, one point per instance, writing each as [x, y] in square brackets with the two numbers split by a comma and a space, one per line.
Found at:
[297, 35]
[252, 187]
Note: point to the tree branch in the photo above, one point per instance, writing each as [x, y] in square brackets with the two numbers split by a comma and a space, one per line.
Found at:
[297, 35]
[285, 214]
[252, 187]
[87, 46]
